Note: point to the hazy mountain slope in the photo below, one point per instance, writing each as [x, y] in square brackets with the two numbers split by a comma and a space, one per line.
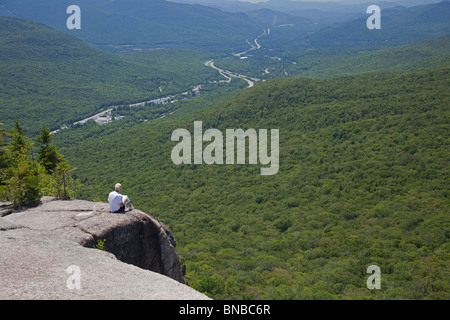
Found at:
[151, 23]
[398, 26]
[48, 77]
[425, 54]
[324, 12]
[158, 23]
[326, 63]
[363, 180]
[350, 47]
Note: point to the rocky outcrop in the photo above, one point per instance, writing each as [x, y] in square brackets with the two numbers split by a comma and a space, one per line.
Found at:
[39, 244]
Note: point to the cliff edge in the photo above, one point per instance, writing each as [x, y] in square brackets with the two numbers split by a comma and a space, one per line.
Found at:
[47, 252]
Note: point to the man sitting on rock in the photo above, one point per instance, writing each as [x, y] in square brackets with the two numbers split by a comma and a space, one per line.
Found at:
[118, 202]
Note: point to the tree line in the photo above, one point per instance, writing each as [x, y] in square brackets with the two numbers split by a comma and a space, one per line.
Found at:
[30, 170]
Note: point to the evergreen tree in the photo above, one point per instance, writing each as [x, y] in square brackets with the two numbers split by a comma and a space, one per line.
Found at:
[3, 151]
[58, 181]
[19, 143]
[23, 179]
[61, 183]
[23, 188]
[5, 160]
[21, 175]
[49, 155]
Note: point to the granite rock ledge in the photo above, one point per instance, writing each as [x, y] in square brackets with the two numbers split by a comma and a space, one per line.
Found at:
[38, 245]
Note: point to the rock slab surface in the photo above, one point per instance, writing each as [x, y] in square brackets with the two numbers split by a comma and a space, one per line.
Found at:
[47, 253]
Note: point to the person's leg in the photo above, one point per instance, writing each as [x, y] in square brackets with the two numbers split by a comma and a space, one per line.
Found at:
[127, 202]
[121, 210]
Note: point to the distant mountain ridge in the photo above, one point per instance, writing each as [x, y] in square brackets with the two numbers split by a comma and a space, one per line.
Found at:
[152, 23]
[121, 24]
[399, 25]
[324, 12]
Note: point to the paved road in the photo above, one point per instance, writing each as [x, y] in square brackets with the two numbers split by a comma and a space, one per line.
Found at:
[228, 74]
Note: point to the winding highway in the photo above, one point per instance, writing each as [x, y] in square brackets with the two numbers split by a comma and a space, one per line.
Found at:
[228, 74]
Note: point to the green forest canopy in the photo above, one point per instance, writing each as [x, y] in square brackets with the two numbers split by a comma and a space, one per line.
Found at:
[363, 180]
[56, 79]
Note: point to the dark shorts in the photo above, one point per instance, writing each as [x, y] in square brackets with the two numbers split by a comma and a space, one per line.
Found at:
[122, 209]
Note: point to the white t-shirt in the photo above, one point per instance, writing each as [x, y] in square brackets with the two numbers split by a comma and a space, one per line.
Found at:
[115, 199]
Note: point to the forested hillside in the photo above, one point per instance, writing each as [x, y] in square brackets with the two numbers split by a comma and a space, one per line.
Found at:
[51, 78]
[364, 153]
[363, 180]
[399, 26]
[142, 23]
[337, 61]
[406, 41]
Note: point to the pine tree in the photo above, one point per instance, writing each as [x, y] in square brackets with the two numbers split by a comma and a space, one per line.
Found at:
[21, 175]
[5, 160]
[49, 155]
[19, 143]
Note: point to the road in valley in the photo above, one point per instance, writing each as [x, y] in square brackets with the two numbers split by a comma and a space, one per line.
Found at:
[228, 74]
